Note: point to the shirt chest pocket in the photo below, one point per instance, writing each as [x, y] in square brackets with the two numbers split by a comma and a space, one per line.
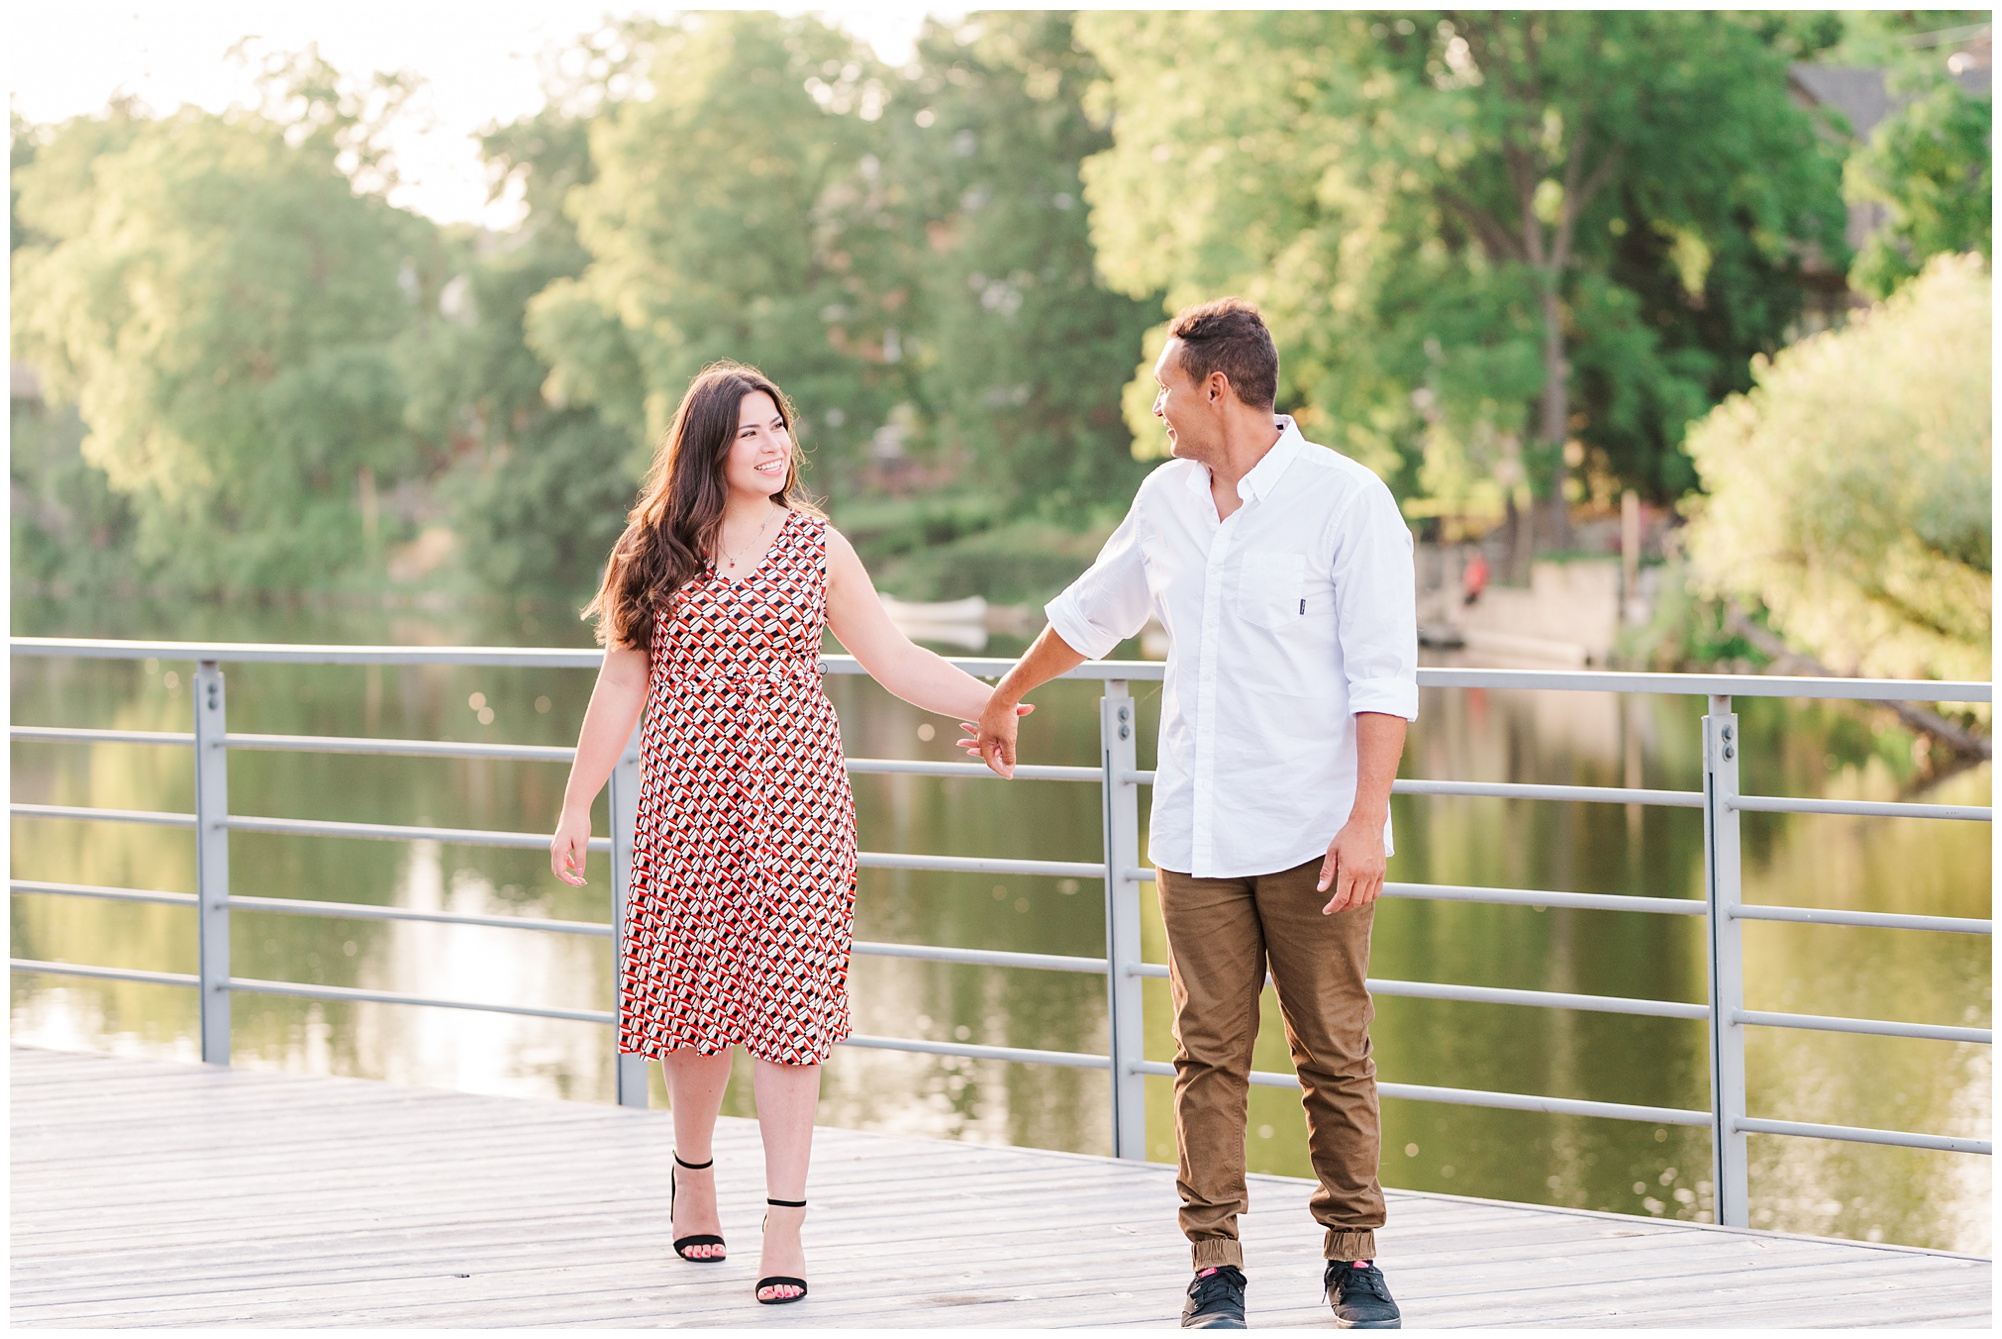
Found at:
[1271, 588]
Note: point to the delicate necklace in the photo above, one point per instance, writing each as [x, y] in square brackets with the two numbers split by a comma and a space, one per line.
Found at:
[731, 558]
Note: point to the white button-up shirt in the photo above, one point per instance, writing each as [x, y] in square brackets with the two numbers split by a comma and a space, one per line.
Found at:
[1284, 620]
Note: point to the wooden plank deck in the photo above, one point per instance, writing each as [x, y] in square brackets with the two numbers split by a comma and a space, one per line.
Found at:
[159, 1194]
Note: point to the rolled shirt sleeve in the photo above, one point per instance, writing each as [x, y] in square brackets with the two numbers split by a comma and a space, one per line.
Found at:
[1109, 603]
[1376, 602]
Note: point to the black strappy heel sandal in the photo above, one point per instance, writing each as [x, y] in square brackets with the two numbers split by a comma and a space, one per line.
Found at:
[780, 1280]
[681, 1244]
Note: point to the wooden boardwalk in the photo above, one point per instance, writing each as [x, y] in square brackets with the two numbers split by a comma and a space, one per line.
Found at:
[159, 1194]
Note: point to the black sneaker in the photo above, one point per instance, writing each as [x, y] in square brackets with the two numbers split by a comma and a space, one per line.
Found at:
[1360, 1297]
[1216, 1299]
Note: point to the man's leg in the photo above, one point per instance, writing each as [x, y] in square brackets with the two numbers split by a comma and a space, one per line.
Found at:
[1320, 965]
[1216, 971]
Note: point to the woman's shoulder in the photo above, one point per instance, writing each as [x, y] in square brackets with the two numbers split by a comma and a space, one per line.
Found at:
[812, 528]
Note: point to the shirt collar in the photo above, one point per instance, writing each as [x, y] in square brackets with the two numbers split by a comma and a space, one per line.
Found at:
[1265, 475]
[1258, 484]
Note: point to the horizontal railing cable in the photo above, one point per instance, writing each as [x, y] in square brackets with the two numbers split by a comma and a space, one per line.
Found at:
[104, 973]
[1710, 685]
[397, 832]
[90, 814]
[362, 911]
[351, 994]
[1538, 999]
[981, 957]
[1780, 804]
[402, 748]
[1872, 1027]
[1534, 897]
[1067, 1059]
[918, 767]
[1514, 790]
[1879, 920]
[1857, 1134]
[100, 891]
[62, 734]
[953, 864]
[1555, 1106]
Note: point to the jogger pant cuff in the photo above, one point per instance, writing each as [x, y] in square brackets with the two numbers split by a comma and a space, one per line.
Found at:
[1213, 1251]
[1342, 1245]
[1339, 1245]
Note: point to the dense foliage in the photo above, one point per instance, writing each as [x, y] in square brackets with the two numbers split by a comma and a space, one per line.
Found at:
[1851, 491]
[1930, 165]
[1484, 237]
[221, 304]
[1507, 258]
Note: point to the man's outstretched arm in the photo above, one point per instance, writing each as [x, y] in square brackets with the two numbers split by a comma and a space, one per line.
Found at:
[993, 737]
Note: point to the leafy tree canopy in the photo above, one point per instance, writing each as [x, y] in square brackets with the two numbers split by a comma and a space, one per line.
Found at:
[1929, 165]
[538, 491]
[1021, 351]
[218, 300]
[1851, 491]
[739, 212]
[1480, 238]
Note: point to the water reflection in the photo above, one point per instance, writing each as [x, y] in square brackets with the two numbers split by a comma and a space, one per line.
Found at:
[1943, 868]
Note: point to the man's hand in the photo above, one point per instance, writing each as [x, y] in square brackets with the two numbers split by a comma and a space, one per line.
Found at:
[992, 740]
[1355, 863]
[1354, 866]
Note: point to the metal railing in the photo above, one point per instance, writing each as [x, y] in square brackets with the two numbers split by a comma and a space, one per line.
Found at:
[1118, 778]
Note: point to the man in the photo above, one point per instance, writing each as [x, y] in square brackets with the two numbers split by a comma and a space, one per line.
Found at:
[1282, 573]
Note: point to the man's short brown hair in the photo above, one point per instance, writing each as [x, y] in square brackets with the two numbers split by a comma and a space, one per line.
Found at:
[1229, 336]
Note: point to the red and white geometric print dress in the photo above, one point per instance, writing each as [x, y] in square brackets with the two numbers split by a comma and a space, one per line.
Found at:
[742, 904]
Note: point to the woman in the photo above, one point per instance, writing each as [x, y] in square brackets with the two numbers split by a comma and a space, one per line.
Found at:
[741, 910]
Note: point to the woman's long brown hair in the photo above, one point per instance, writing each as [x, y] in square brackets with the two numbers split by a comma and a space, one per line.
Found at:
[672, 529]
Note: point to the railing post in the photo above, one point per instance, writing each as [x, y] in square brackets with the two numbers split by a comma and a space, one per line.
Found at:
[1117, 727]
[1722, 893]
[631, 1071]
[212, 860]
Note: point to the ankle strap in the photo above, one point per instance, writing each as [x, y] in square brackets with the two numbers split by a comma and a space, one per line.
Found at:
[787, 1204]
[679, 1161]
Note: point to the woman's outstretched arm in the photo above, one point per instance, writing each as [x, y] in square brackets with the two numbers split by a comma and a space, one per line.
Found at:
[916, 675]
[615, 708]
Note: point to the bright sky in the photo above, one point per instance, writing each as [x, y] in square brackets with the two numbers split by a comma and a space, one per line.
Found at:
[481, 63]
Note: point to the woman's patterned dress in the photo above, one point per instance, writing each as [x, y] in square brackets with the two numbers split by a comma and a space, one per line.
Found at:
[742, 904]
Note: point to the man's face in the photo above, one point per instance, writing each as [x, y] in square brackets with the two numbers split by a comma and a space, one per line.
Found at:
[1181, 404]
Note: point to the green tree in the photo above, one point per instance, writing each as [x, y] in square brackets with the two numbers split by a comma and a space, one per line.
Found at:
[69, 529]
[1022, 351]
[1929, 166]
[1851, 491]
[1480, 237]
[219, 302]
[538, 491]
[741, 211]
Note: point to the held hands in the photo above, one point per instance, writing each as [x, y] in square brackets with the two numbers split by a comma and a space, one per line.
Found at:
[993, 739]
[1354, 866]
[567, 849]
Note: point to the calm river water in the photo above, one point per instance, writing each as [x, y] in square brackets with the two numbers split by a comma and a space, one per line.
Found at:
[1932, 1199]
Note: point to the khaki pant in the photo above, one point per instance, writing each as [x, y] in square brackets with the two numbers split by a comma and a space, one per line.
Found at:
[1221, 935]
